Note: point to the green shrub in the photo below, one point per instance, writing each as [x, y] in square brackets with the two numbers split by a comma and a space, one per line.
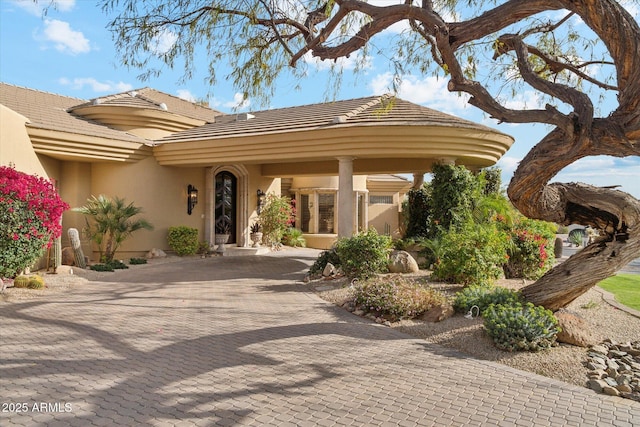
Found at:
[576, 235]
[101, 267]
[293, 237]
[325, 257]
[117, 265]
[520, 326]
[473, 254]
[396, 297]
[135, 261]
[204, 248]
[21, 281]
[35, 282]
[183, 240]
[483, 296]
[364, 255]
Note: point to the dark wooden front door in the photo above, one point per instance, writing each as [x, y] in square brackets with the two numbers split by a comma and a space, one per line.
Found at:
[226, 185]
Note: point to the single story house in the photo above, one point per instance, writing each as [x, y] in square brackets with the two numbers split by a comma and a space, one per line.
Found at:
[187, 164]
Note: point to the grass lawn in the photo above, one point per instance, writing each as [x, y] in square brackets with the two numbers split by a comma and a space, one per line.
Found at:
[625, 287]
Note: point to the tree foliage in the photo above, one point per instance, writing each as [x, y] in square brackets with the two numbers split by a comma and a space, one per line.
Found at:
[567, 53]
[30, 213]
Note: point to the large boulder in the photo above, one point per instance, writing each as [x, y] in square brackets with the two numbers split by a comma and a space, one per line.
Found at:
[575, 330]
[68, 257]
[402, 262]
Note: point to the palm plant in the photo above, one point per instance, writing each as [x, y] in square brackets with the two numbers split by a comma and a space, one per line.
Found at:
[111, 223]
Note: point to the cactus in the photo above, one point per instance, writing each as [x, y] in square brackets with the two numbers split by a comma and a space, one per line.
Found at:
[557, 248]
[74, 237]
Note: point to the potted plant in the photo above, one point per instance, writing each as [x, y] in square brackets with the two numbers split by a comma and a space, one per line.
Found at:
[222, 235]
[256, 234]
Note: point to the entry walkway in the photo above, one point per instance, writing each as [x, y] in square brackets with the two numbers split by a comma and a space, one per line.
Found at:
[234, 341]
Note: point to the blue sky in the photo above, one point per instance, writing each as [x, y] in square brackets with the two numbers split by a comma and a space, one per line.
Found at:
[70, 52]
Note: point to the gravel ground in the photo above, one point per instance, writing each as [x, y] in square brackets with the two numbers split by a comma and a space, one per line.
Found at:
[564, 362]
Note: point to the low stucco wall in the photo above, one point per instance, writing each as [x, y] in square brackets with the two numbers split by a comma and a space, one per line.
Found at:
[320, 241]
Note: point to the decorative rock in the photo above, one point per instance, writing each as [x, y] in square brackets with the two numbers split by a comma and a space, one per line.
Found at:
[438, 313]
[616, 373]
[575, 330]
[358, 312]
[402, 262]
[68, 257]
[611, 391]
[156, 253]
[329, 270]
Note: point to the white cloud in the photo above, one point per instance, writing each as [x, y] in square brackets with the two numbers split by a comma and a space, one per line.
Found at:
[38, 7]
[163, 42]
[186, 95]
[428, 91]
[65, 39]
[95, 85]
[344, 64]
[239, 102]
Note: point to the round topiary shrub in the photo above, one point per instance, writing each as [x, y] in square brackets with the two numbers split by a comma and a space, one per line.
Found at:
[183, 240]
[520, 326]
[482, 296]
[35, 282]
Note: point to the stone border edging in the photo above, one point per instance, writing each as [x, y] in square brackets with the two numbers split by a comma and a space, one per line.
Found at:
[610, 299]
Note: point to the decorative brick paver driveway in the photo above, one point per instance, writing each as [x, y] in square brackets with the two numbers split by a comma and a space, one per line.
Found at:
[235, 341]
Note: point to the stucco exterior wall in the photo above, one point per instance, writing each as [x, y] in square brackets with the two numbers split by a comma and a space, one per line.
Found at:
[15, 145]
[385, 217]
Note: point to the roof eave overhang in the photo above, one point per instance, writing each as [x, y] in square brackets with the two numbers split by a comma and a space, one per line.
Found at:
[84, 148]
[130, 117]
[421, 145]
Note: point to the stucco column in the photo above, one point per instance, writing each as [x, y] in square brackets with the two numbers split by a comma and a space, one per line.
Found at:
[418, 180]
[345, 196]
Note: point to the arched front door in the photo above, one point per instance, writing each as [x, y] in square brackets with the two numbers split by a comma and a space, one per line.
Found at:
[225, 205]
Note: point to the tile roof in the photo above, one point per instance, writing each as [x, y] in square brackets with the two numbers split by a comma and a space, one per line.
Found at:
[50, 111]
[152, 99]
[374, 110]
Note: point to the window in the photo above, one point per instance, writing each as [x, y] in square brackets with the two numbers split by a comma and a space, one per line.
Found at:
[380, 200]
[305, 213]
[326, 203]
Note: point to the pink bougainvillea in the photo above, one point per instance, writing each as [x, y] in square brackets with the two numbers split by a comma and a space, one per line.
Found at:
[30, 213]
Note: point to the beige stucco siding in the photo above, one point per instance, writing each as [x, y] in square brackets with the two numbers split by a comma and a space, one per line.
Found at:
[15, 145]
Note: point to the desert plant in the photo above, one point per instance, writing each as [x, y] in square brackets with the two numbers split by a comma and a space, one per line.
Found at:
[21, 281]
[325, 257]
[256, 227]
[558, 247]
[183, 240]
[204, 248]
[109, 222]
[101, 267]
[364, 254]
[532, 242]
[396, 297]
[30, 212]
[35, 282]
[117, 265]
[520, 326]
[576, 235]
[136, 261]
[483, 296]
[293, 237]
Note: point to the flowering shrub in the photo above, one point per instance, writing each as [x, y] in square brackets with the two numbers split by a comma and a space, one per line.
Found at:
[275, 218]
[30, 213]
[529, 255]
[396, 297]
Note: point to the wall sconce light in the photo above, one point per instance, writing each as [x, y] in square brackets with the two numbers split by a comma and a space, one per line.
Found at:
[192, 198]
[261, 198]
